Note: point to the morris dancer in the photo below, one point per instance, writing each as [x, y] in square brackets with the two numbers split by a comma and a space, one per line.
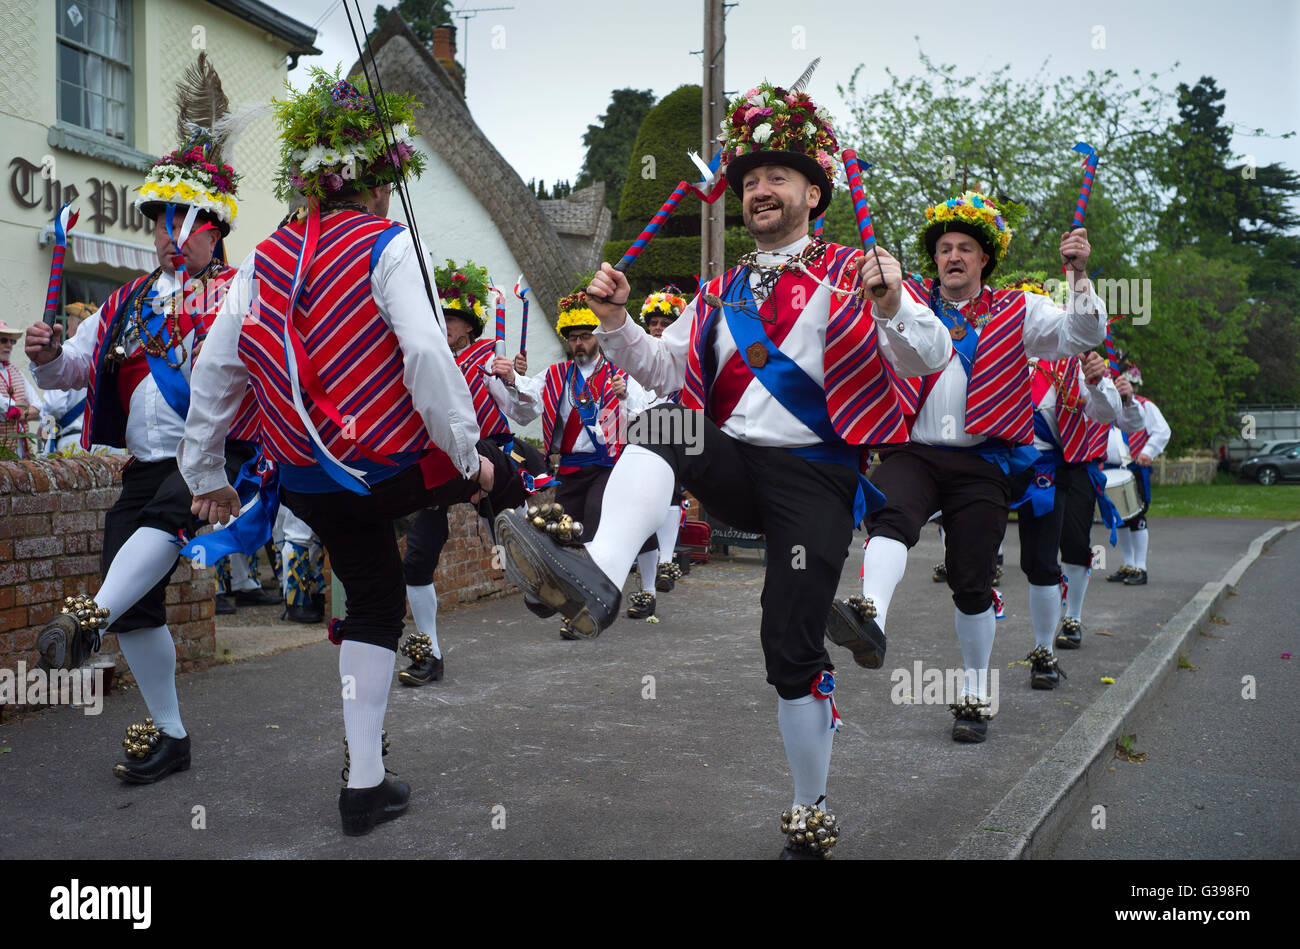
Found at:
[585, 404]
[788, 366]
[135, 357]
[1142, 443]
[463, 291]
[971, 425]
[329, 319]
[1067, 394]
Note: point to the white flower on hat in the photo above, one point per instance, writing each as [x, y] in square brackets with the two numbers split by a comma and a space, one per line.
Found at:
[763, 133]
[809, 129]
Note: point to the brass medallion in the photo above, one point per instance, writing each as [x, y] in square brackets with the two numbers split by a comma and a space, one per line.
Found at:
[958, 332]
[756, 355]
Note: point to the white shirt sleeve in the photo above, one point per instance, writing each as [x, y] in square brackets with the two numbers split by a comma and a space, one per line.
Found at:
[438, 390]
[638, 399]
[914, 339]
[1053, 333]
[1130, 417]
[218, 382]
[1103, 400]
[658, 364]
[71, 368]
[515, 401]
[1158, 430]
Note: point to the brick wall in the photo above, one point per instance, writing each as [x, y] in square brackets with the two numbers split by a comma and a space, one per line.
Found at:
[51, 534]
[465, 572]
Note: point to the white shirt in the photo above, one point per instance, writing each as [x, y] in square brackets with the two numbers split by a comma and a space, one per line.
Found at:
[1101, 405]
[1134, 418]
[530, 392]
[153, 429]
[57, 404]
[1157, 428]
[438, 391]
[1049, 333]
[913, 340]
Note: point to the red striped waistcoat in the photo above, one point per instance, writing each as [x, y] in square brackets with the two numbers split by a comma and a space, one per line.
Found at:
[862, 396]
[354, 352]
[611, 406]
[998, 402]
[1138, 440]
[490, 419]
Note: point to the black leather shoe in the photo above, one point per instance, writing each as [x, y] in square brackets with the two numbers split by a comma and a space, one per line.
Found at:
[666, 577]
[641, 605]
[1120, 575]
[972, 720]
[421, 673]
[66, 643]
[225, 604]
[258, 597]
[1045, 671]
[168, 755]
[1071, 634]
[852, 624]
[1136, 578]
[940, 574]
[565, 578]
[537, 607]
[304, 613]
[363, 808]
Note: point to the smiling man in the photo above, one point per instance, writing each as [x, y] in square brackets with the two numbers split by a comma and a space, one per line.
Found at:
[789, 363]
[971, 425]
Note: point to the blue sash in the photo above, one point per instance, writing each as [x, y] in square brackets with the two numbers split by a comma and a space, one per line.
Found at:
[1109, 515]
[259, 501]
[798, 394]
[951, 317]
[68, 418]
[171, 382]
[588, 413]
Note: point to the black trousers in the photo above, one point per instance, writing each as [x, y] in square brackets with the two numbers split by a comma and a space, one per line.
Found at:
[805, 509]
[358, 533]
[974, 496]
[580, 494]
[155, 495]
[1077, 498]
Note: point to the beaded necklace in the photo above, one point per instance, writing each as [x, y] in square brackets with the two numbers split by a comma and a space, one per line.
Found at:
[168, 337]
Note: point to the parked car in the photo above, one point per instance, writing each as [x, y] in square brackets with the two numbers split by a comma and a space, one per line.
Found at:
[1281, 463]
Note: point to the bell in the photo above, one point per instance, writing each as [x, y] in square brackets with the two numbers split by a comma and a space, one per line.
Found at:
[814, 822]
[539, 523]
[552, 528]
[577, 529]
[533, 511]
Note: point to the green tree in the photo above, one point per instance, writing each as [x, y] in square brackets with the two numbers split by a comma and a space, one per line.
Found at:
[420, 15]
[609, 144]
[928, 133]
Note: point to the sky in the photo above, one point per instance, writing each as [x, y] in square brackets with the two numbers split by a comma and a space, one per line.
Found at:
[540, 72]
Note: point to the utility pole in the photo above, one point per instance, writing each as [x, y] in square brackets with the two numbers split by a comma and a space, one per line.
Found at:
[712, 218]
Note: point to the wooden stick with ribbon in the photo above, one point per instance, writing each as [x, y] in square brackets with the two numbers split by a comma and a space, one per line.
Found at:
[1089, 172]
[866, 231]
[523, 331]
[64, 221]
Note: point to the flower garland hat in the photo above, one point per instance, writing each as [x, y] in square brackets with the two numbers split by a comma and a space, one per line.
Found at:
[194, 175]
[463, 290]
[1027, 281]
[770, 125]
[974, 214]
[667, 303]
[575, 312]
[332, 139]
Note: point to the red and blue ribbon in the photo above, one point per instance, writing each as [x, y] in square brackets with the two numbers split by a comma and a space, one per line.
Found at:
[500, 347]
[823, 688]
[702, 190]
[523, 330]
[64, 221]
[1089, 171]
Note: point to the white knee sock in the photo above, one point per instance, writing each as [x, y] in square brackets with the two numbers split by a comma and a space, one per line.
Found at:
[1139, 540]
[667, 534]
[1124, 544]
[975, 635]
[241, 580]
[424, 608]
[1077, 578]
[1044, 611]
[366, 673]
[151, 654]
[636, 497]
[143, 560]
[883, 564]
[645, 565]
[806, 730]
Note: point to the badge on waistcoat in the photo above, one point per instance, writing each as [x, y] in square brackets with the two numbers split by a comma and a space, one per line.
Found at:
[756, 355]
[958, 332]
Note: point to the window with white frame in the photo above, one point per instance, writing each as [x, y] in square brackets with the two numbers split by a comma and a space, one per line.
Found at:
[94, 66]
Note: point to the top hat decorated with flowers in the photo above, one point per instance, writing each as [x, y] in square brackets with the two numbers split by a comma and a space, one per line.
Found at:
[332, 139]
[575, 313]
[976, 215]
[193, 176]
[770, 125]
[463, 290]
[667, 303]
[1027, 281]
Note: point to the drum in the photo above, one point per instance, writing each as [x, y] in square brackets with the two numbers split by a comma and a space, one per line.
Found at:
[1122, 491]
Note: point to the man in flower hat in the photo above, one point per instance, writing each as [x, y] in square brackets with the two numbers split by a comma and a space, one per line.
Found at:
[971, 425]
[790, 364]
[364, 410]
[463, 291]
[135, 357]
[585, 403]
